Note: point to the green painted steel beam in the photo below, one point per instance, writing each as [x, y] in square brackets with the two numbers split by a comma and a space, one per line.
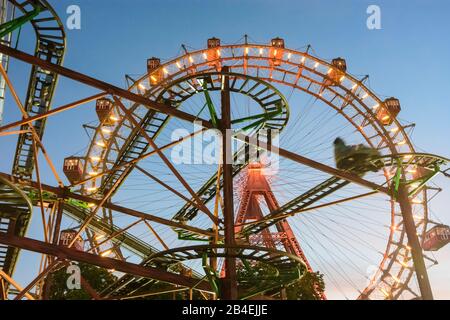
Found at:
[14, 24]
[210, 105]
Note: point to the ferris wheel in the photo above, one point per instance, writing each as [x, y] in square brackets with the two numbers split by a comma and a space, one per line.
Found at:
[323, 177]
[311, 102]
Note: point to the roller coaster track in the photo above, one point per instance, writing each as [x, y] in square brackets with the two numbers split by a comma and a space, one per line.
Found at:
[268, 98]
[135, 146]
[287, 269]
[208, 191]
[73, 208]
[429, 162]
[175, 93]
[50, 46]
[355, 99]
[16, 204]
[354, 95]
[15, 213]
[306, 199]
[6, 14]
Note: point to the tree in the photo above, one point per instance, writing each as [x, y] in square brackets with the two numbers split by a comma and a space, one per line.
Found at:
[310, 287]
[56, 283]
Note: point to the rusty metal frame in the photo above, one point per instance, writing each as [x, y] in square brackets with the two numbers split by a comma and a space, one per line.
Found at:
[66, 253]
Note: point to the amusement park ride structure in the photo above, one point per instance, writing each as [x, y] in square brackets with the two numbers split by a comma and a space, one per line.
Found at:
[131, 119]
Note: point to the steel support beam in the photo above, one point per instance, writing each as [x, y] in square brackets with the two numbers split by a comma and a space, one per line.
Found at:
[12, 282]
[413, 241]
[64, 193]
[229, 291]
[101, 85]
[108, 263]
[165, 160]
[316, 165]
[52, 112]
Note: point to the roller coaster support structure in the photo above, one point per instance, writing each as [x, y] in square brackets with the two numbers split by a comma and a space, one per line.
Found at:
[413, 242]
[230, 284]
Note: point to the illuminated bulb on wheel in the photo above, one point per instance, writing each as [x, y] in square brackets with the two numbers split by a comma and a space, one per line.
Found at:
[100, 144]
[393, 130]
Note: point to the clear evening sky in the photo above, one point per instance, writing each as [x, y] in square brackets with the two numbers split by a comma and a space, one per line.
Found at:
[409, 58]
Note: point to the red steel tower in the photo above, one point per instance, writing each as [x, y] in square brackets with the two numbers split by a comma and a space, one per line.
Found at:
[256, 189]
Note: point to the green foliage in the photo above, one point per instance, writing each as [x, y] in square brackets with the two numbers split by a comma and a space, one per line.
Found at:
[98, 279]
[310, 287]
[256, 270]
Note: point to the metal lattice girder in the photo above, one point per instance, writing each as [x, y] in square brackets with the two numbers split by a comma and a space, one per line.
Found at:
[50, 46]
[342, 178]
[95, 83]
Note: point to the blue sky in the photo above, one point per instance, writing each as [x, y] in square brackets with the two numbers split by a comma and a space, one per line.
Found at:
[408, 58]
